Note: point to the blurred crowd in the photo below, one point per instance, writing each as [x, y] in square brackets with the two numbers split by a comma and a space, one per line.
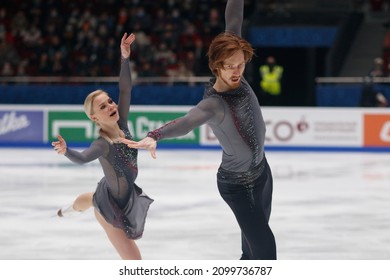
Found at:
[80, 38]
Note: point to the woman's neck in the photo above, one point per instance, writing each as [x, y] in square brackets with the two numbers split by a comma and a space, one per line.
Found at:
[112, 133]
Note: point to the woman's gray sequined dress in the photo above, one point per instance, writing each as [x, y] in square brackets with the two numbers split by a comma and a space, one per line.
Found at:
[118, 199]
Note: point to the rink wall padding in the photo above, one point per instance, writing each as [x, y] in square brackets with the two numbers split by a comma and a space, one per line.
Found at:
[288, 128]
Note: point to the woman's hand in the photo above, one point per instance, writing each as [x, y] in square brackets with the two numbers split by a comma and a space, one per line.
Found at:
[60, 145]
[125, 44]
[147, 143]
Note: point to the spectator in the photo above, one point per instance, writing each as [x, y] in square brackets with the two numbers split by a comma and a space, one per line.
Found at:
[371, 97]
[31, 36]
[378, 68]
[44, 67]
[22, 68]
[7, 69]
[19, 22]
[8, 55]
[146, 70]
[200, 67]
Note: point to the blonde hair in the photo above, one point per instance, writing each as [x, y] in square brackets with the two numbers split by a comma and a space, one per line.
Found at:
[88, 102]
[88, 105]
[224, 46]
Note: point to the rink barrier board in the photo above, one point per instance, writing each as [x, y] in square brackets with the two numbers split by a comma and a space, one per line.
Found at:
[288, 128]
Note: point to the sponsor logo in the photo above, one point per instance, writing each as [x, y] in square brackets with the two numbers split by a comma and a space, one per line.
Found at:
[10, 122]
[283, 130]
[377, 130]
[21, 126]
[384, 134]
[74, 126]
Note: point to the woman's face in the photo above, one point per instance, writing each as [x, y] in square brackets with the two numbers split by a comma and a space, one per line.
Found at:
[104, 109]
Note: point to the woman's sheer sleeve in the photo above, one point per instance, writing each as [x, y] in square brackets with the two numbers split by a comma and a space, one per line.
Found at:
[93, 152]
[125, 86]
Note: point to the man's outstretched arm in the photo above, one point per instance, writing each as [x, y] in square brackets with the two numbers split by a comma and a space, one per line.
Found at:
[234, 16]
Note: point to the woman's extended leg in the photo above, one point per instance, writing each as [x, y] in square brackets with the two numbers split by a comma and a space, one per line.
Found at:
[81, 203]
[126, 248]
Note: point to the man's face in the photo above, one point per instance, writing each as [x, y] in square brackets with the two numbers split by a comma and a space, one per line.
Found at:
[232, 70]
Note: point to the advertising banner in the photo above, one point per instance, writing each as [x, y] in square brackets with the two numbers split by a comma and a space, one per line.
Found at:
[74, 126]
[286, 127]
[21, 126]
[313, 127]
[321, 128]
[376, 130]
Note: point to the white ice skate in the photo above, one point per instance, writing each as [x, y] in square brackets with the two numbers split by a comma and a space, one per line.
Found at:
[67, 211]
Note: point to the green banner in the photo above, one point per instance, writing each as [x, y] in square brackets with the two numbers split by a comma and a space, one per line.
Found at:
[74, 126]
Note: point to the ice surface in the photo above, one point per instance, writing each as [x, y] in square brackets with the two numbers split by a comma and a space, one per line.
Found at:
[327, 206]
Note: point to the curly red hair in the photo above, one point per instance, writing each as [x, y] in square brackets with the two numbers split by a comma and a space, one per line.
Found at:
[224, 46]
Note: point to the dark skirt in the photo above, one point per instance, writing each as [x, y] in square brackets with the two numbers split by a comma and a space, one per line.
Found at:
[131, 218]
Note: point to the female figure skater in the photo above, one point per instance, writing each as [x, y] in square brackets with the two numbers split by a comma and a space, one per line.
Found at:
[120, 206]
[231, 109]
